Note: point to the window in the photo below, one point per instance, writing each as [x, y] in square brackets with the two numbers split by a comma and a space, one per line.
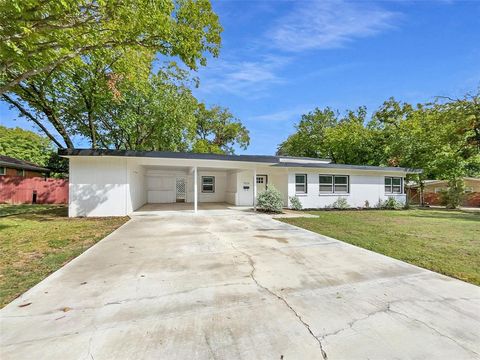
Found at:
[334, 184]
[208, 184]
[300, 183]
[341, 184]
[393, 185]
[20, 172]
[3, 171]
[259, 179]
[326, 184]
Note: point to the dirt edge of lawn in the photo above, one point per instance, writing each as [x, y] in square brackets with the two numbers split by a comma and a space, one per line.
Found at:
[37, 241]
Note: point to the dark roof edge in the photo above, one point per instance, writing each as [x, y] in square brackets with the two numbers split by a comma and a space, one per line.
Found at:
[167, 154]
[23, 166]
[351, 167]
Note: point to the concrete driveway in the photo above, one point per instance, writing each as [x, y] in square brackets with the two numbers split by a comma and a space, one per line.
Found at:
[237, 285]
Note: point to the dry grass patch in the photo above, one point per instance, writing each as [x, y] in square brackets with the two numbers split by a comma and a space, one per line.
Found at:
[36, 240]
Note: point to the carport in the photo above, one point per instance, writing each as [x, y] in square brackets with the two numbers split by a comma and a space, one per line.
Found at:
[184, 188]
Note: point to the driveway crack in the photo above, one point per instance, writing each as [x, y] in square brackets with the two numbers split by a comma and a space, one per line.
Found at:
[282, 299]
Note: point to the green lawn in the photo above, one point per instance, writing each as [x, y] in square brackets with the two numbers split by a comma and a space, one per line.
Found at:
[36, 240]
[444, 241]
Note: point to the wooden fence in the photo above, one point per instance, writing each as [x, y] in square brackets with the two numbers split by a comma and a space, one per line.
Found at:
[37, 190]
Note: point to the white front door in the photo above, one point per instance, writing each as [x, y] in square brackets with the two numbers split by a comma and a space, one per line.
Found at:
[180, 188]
[262, 181]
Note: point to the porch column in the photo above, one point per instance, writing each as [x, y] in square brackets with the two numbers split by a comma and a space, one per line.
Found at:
[254, 189]
[195, 190]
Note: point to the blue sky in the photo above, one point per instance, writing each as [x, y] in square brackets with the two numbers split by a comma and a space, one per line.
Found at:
[280, 59]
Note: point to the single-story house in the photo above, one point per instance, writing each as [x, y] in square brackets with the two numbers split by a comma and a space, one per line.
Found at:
[10, 166]
[433, 188]
[118, 182]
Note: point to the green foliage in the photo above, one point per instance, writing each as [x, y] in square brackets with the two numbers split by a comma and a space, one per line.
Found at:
[84, 69]
[391, 204]
[217, 130]
[309, 139]
[25, 145]
[340, 203]
[38, 37]
[442, 138]
[453, 196]
[270, 200]
[295, 203]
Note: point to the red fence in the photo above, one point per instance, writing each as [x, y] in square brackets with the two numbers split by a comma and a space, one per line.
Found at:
[20, 190]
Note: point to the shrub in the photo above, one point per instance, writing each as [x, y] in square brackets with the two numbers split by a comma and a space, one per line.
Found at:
[367, 204]
[379, 204]
[270, 200]
[295, 203]
[340, 203]
[453, 196]
[392, 204]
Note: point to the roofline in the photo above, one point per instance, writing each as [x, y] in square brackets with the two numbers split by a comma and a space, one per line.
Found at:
[351, 167]
[24, 167]
[268, 159]
[167, 154]
[302, 158]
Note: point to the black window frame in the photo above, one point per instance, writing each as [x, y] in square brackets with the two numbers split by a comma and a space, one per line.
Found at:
[392, 186]
[4, 170]
[305, 184]
[333, 184]
[208, 184]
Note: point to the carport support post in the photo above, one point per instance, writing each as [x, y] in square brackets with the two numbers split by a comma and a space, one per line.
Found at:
[195, 190]
[254, 189]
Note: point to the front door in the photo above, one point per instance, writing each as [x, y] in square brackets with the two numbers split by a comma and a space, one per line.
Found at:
[180, 188]
[262, 181]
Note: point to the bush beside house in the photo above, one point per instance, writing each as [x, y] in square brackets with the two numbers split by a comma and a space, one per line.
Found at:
[270, 200]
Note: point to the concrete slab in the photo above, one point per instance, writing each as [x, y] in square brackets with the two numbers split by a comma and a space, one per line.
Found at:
[239, 286]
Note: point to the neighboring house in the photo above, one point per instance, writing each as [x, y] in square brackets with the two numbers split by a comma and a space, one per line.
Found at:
[15, 167]
[433, 188]
[22, 182]
[116, 183]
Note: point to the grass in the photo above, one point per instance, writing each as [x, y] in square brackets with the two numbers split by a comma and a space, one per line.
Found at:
[444, 241]
[36, 240]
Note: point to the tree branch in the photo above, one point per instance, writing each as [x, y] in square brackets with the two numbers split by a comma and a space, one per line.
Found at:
[32, 118]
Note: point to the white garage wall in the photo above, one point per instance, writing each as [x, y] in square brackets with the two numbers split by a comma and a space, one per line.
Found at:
[160, 185]
[363, 187]
[231, 189]
[97, 187]
[136, 193]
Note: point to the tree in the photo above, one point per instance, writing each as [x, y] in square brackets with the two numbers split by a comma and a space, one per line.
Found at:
[38, 37]
[157, 114]
[309, 138]
[442, 138]
[350, 141]
[25, 145]
[217, 131]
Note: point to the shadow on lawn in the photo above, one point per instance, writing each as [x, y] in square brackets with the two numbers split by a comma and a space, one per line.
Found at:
[447, 214]
[40, 214]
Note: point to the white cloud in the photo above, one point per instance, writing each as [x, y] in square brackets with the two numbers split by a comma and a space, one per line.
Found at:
[328, 24]
[243, 78]
[284, 115]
